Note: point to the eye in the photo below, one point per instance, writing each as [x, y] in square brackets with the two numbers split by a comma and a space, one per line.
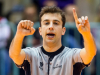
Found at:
[46, 23]
[55, 23]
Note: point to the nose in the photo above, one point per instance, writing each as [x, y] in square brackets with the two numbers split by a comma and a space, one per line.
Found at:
[51, 27]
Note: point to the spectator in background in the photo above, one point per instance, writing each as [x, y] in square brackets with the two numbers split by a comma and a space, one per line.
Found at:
[5, 34]
[98, 14]
[96, 33]
[70, 38]
[68, 12]
[50, 3]
[36, 41]
[15, 14]
[30, 13]
[60, 3]
[96, 30]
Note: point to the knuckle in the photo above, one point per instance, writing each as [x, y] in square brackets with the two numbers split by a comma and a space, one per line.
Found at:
[26, 20]
[32, 23]
[29, 21]
[21, 21]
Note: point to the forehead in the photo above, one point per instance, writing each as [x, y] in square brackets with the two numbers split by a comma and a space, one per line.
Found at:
[51, 16]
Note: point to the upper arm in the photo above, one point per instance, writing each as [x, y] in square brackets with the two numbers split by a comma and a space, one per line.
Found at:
[85, 56]
[19, 59]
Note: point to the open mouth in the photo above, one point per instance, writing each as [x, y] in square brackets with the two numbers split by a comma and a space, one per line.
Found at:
[50, 35]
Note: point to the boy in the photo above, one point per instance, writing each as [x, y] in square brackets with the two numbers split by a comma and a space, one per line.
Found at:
[52, 58]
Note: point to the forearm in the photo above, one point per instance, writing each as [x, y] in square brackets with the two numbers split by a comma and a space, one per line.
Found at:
[89, 44]
[15, 47]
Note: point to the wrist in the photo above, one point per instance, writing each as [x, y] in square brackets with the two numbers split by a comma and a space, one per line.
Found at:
[19, 36]
[88, 36]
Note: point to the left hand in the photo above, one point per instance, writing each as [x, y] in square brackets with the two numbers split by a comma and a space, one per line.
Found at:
[82, 23]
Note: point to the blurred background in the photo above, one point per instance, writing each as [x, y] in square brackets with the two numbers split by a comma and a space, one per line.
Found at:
[12, 11]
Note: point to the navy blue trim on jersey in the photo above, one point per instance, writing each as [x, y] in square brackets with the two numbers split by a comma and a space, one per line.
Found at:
[77, 68]
[26, 67]
[52, 54]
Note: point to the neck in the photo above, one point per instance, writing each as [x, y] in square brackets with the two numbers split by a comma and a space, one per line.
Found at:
[51, 47]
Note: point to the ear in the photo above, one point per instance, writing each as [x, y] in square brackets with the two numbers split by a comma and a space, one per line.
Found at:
[63, 30]
[40, 31]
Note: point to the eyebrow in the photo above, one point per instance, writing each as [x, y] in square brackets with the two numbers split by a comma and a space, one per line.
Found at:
[53, 20]
[46, 20]
[57, 21]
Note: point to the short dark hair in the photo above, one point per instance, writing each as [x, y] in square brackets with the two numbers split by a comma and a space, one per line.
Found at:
[52, 9]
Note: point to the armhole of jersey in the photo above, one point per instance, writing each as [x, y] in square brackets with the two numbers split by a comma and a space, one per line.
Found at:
[26, 67]
[78, 67]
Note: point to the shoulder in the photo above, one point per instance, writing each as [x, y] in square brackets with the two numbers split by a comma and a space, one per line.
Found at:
[71, 50]
[32, 50]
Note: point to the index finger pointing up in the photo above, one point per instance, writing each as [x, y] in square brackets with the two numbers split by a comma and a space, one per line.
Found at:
[75, 15]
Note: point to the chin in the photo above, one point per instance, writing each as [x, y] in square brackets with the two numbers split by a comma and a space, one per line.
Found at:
[50, 41]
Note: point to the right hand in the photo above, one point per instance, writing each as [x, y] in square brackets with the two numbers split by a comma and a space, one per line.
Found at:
[25, 28]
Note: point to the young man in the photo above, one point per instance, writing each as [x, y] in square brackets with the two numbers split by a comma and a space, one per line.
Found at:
[52, 58]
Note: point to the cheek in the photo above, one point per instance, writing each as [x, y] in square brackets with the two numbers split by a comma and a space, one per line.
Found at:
[43, 32]
[59, 32]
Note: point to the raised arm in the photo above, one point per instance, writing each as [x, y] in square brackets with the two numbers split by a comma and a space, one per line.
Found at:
[24, 28]
[83, 26]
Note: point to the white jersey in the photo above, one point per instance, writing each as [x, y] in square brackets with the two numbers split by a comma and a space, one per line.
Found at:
[61, 64]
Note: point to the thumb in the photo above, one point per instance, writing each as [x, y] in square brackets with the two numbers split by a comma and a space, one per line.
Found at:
[79, 27]
[32, 30]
